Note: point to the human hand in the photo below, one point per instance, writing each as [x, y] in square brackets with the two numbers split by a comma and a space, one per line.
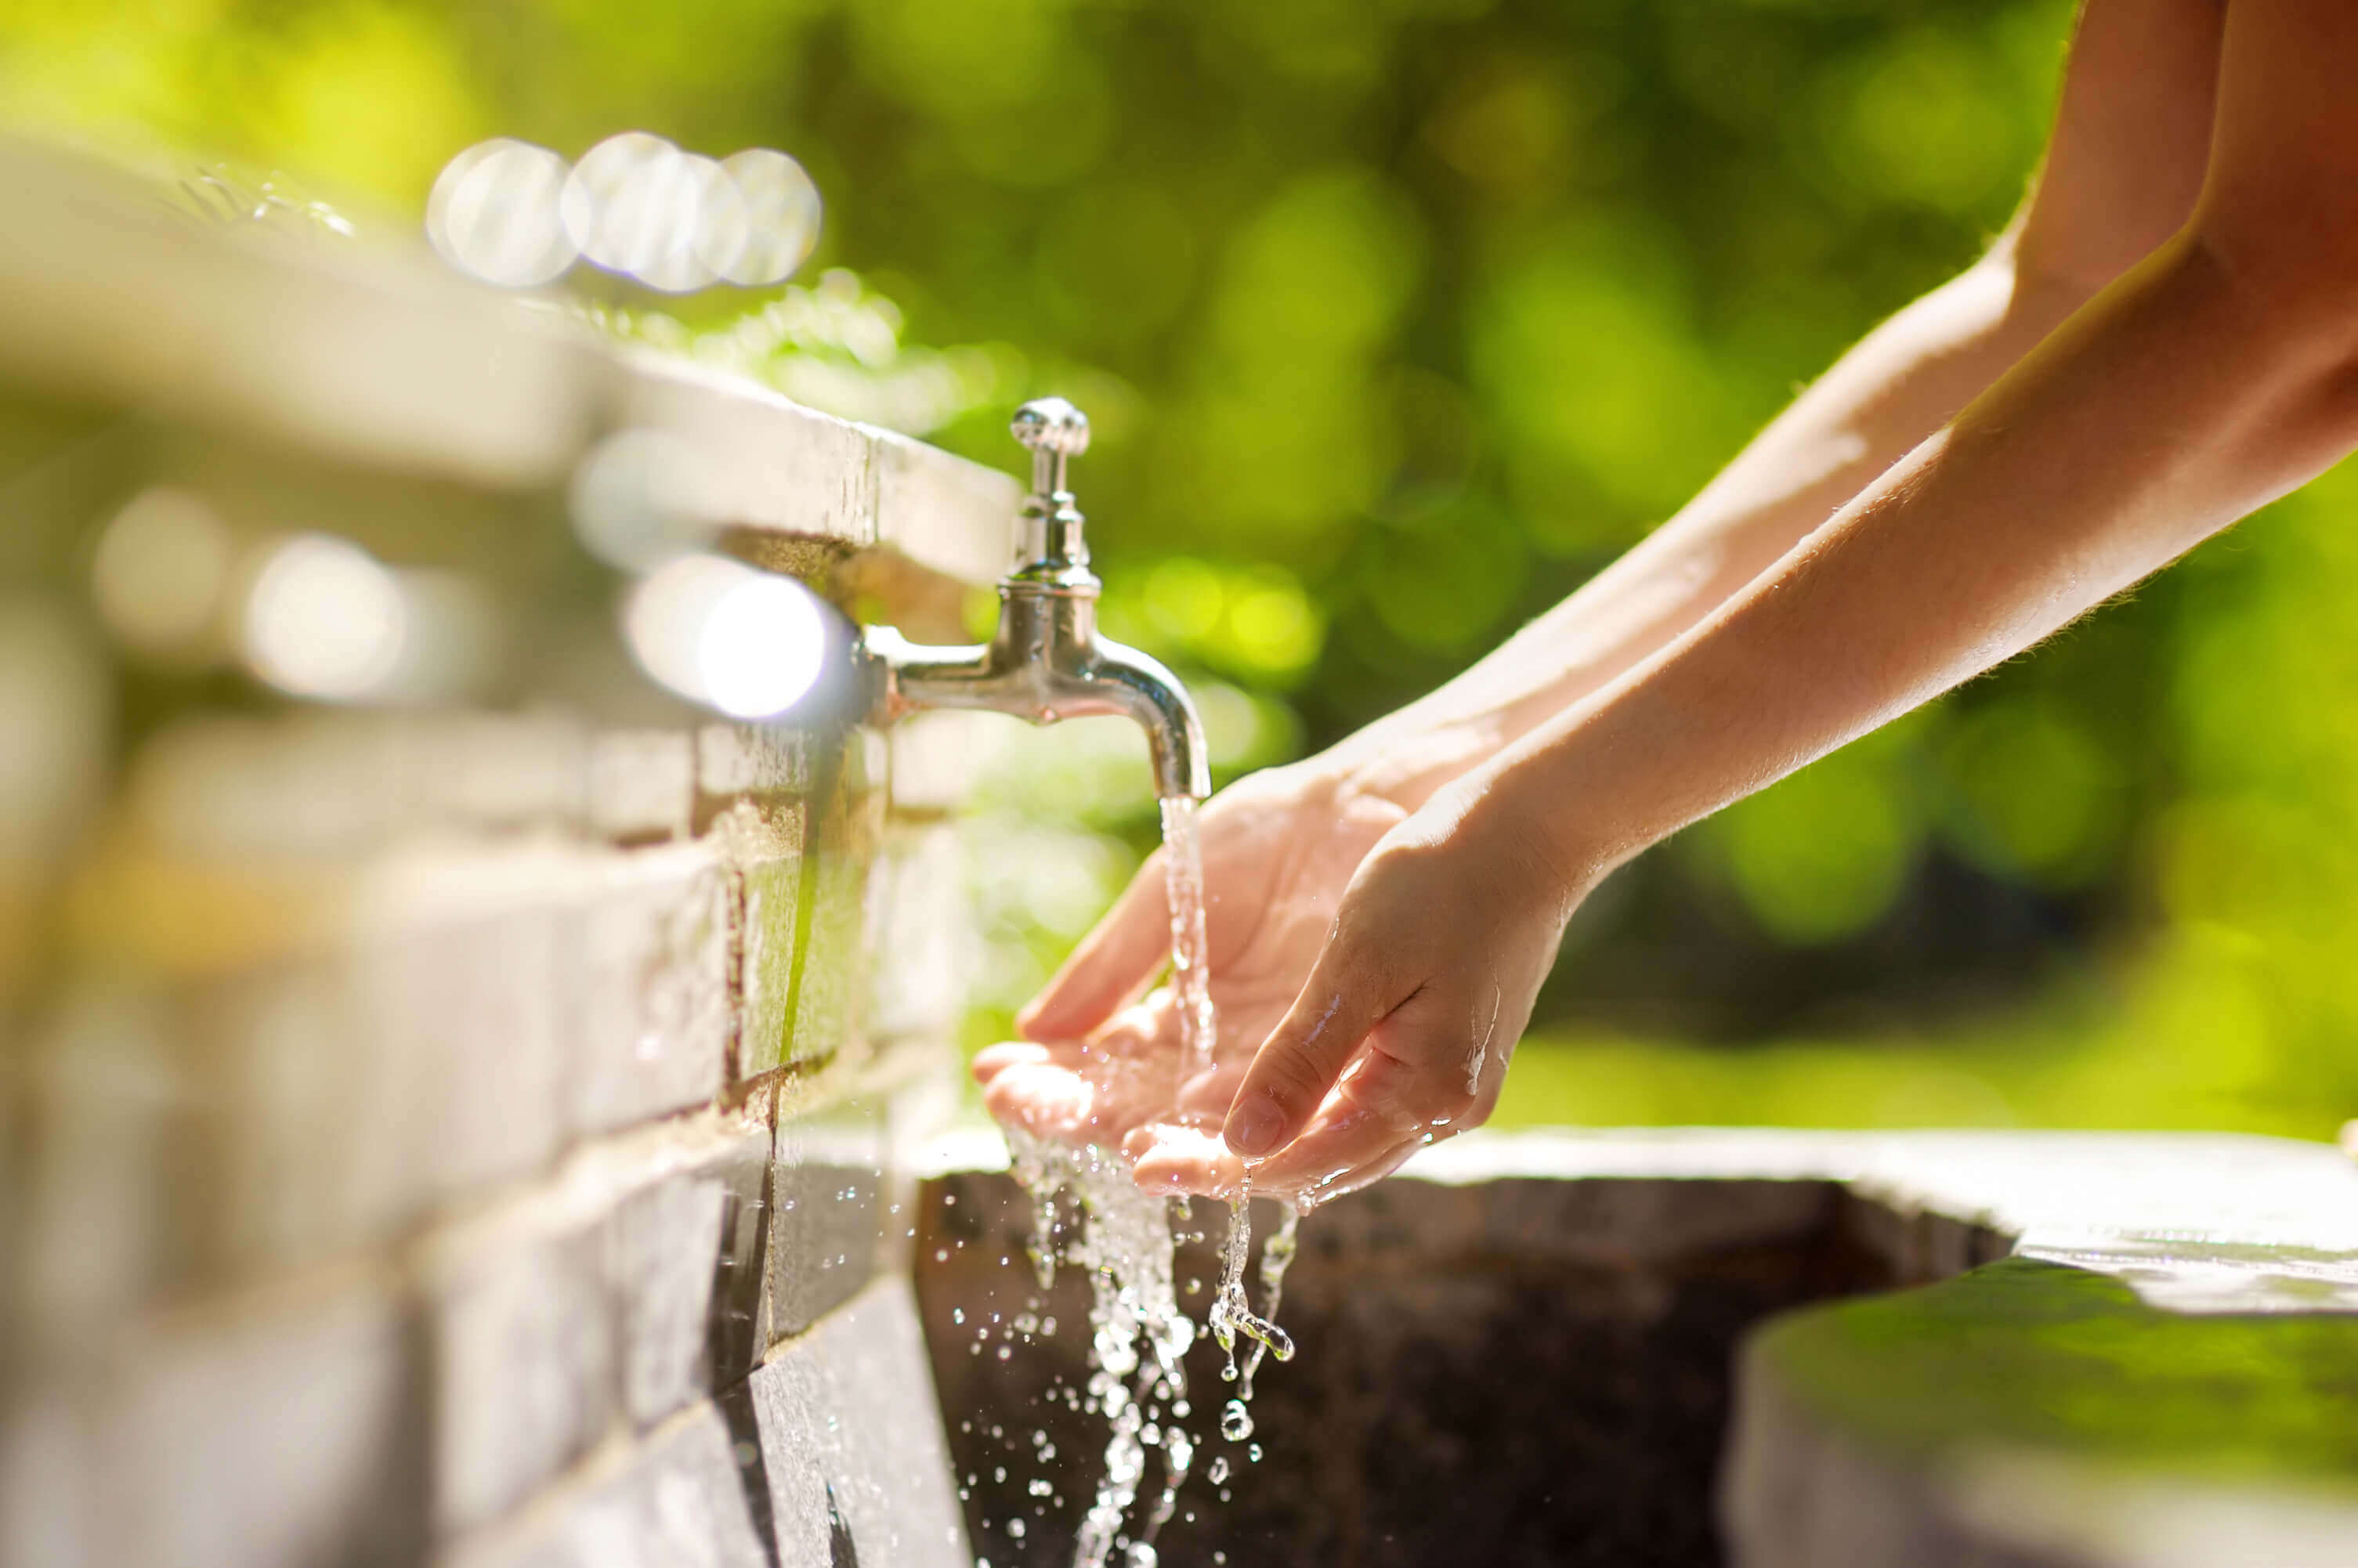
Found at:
[1279, 849]
[1401, 1032]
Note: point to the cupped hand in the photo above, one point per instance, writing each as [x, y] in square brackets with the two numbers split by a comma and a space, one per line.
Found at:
[1097, 1067]
[1400, 1031]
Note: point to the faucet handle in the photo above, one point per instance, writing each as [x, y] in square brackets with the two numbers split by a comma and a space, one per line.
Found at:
[1057, 432]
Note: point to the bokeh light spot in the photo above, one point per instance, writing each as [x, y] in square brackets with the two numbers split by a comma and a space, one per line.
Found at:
[495, 213]
[161, 569]
[324, 619]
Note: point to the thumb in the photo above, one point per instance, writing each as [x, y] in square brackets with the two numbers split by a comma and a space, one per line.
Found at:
[1112, 964]
[1349, 992]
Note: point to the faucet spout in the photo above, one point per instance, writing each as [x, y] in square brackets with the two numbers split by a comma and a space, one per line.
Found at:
[1045, 661]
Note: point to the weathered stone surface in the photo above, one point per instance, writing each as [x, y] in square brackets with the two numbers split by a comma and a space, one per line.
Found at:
[641, 785]
[830, 982]
[920, 934]
[660, 1251]
[938, 757]
[520, 1339]
[825, 1176]
[274, 1428]
[1953, 1424]
[462, 1025]
[852, 1444]
[745, 762]
[770, 913]
[675, 1499]
[649, 1029]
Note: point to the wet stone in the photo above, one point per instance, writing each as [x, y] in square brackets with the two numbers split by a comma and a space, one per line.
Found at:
[650, 981]
[768, 894]
[825, 1211]
[851, 1443]
[676, 1499]
[523, 1364]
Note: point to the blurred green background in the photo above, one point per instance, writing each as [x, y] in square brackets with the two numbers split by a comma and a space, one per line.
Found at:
[1398, 318]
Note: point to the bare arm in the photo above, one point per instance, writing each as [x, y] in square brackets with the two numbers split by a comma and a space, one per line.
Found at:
[2132, 130]
[2215, 375]
[2127, 160]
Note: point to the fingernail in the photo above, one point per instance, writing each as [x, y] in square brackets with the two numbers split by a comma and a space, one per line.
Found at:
[1254, 1127]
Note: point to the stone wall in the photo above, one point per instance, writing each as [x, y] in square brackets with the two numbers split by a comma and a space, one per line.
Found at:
[458, 1116]
[522, 1185]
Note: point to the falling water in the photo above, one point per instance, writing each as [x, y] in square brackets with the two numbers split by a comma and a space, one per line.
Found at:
[1191, 956]
[1123, 1237]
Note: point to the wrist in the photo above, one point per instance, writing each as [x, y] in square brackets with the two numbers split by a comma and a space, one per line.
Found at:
[1509, 809]
[1404, 761]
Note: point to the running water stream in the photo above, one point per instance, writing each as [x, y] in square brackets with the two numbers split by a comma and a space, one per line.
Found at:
[1085, 1199]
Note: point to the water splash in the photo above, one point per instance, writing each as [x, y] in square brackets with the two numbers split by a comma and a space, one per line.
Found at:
[1138, 1334]
[1088, 1210]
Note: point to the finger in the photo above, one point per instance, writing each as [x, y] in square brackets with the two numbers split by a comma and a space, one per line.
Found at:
[1170, 1159]
[1109, 966]
[1349, 991]
[1045, 1099]
[992, 1060]
[1406, 1086]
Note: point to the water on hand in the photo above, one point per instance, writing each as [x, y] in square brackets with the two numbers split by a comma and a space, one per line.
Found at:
[1123, 1237]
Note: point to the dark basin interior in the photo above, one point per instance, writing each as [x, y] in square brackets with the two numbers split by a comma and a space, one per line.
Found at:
[1507, 1373]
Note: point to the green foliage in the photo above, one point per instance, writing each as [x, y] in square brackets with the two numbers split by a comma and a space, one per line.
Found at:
[1396, 319]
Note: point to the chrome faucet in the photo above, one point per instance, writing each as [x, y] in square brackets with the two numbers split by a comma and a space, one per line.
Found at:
[1046, 660]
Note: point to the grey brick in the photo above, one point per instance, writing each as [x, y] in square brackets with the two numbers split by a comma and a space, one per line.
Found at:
[851, 1441]
[920, 938]
[650, 988]
[464, 1022]
[642, 785]
[675, 1500]
[735, 761]
[936, 757]
[281, 1429]
[523, 1360]
[770, 892]
[824, 1210]
[833, 976]
[684, 1267]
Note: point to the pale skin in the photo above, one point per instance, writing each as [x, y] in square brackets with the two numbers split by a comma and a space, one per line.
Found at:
[2165, 339]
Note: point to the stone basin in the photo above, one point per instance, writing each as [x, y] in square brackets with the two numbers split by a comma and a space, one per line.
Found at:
[1765, 1347]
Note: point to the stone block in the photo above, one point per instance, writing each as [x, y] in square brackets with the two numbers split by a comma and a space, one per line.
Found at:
[675, 1499]
[769, 914]
[82, 1198]
[831, 980]
[684, 1266]
[289, 1141]
[921, 936]
[641, 785]
[937, 758]
[461, 1024]
[851, 1443]
[649, 1022]
[826, 1175]
[522, 1358]
[743, 762]
[268, 1429]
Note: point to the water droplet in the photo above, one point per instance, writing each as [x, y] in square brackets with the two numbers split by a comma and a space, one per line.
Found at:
[1236, 1422]
[1219, 1471]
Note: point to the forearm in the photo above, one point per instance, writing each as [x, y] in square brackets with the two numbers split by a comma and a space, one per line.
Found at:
[2179, 400]
[1903, 382]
